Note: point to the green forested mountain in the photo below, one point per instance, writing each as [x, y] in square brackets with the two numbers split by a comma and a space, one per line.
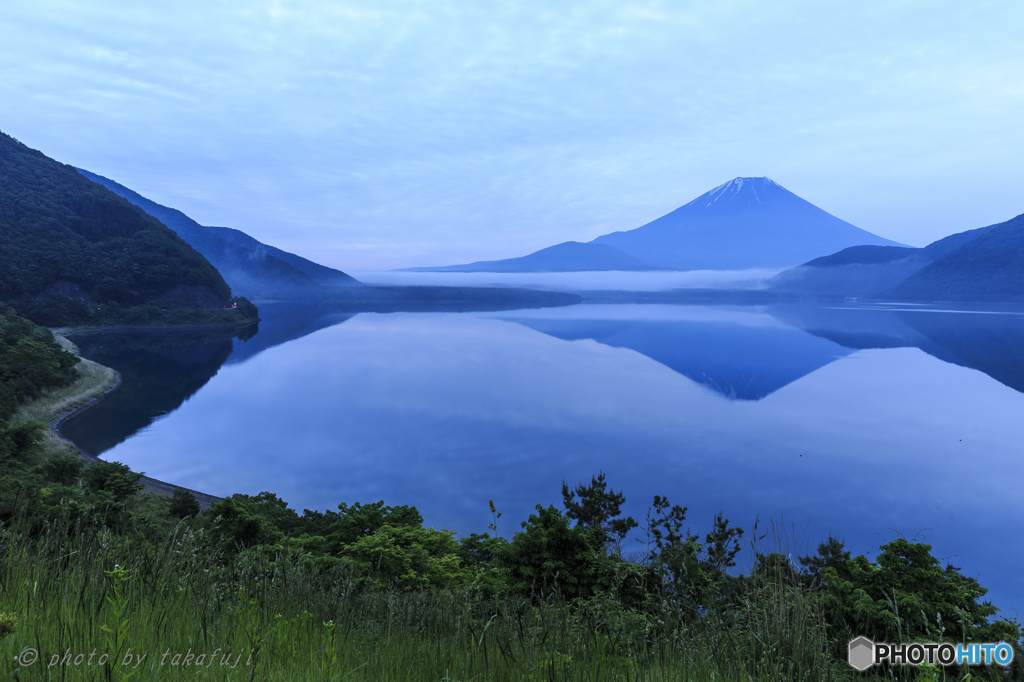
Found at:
[71, 251]
[981, 265]
[989, 267]
[249, 266]
[321, 274]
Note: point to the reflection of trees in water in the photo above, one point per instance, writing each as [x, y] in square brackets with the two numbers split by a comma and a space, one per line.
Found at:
[992, 343]
[749, 362]
[159, 369]
[283, 322]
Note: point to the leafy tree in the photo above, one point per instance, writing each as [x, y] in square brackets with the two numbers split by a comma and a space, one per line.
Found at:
[721, 545]
[480, 549]
[246, 309]
[832, 553]
[390, 546]
[361, 520]
[550, 556]
[314, 522]
[905, 595]
[184, 504]
[567, 554]
[65, 470]
[236, 524]
[113, 478]
[691, 574]
[275, 510]
[408, 556]
[597, 509]
[21, 441]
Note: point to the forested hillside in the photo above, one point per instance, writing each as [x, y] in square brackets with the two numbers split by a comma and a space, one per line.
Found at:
[989, 267]
[250, 267]
[321, 274]
[72, 252]
[984, 265]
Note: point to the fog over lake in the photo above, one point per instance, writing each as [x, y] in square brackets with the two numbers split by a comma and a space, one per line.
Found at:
[868, 423]
[580, 281]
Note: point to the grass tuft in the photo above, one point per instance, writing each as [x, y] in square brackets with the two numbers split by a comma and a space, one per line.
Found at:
[277, 616]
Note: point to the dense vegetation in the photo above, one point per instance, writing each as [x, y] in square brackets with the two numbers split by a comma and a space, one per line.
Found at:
[320, 274]
[864, 255]
[368, 592]
[985, 265]
[30, 363]
[989, 267]
[72, 252]
[250, 268]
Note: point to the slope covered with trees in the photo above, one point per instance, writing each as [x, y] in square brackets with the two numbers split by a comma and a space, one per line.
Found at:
[73, 252]
[989, 267]
[984, 265]
[321, 274]
[249, 266]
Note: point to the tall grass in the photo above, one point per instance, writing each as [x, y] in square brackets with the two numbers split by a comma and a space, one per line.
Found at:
[280, 616]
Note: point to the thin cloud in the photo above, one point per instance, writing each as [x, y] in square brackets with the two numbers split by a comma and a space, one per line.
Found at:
[427, 132]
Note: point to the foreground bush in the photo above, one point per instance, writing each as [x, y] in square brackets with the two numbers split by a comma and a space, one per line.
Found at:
[368, 593]
[281, 616]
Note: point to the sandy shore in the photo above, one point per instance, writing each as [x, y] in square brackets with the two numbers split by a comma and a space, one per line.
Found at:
[94, 383]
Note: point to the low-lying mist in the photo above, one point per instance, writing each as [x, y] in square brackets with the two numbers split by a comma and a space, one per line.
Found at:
[581, 281]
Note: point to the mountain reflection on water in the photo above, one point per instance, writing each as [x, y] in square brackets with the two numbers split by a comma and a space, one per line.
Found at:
[744, 358]
[988, 341]
[740, 361]
[159, 370]
[738, 353]
[861, 420]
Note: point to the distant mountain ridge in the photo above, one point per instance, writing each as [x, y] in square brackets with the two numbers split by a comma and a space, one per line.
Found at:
[249, 266]
[987, 267]
[744, 223]
[980, 265]
[321, 274]
[564, 257]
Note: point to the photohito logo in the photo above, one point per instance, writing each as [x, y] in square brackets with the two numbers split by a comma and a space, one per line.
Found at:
[863, 653]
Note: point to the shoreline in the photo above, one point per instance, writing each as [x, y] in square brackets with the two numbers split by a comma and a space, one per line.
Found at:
[55, 422]
[64, 331]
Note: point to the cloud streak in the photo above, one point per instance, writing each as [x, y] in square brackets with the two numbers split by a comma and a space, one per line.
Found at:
[390, 134]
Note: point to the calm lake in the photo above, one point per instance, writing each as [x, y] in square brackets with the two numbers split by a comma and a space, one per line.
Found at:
[869, 423]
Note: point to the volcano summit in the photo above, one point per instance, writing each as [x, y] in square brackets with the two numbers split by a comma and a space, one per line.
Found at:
[744, 223]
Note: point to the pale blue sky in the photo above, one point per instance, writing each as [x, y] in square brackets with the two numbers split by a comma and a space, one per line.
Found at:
[389, 134]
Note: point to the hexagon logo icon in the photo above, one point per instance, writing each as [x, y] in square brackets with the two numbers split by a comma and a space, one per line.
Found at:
[861, 654]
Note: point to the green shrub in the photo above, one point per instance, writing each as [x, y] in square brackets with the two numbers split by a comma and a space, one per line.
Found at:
[184, 504]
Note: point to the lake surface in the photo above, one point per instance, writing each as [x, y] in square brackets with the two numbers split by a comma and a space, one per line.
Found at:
[868, 423]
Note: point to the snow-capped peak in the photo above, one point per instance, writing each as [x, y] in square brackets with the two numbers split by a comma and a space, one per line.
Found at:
[733, 188]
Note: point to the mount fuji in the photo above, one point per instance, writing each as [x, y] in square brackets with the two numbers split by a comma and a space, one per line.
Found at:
[744, 223]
